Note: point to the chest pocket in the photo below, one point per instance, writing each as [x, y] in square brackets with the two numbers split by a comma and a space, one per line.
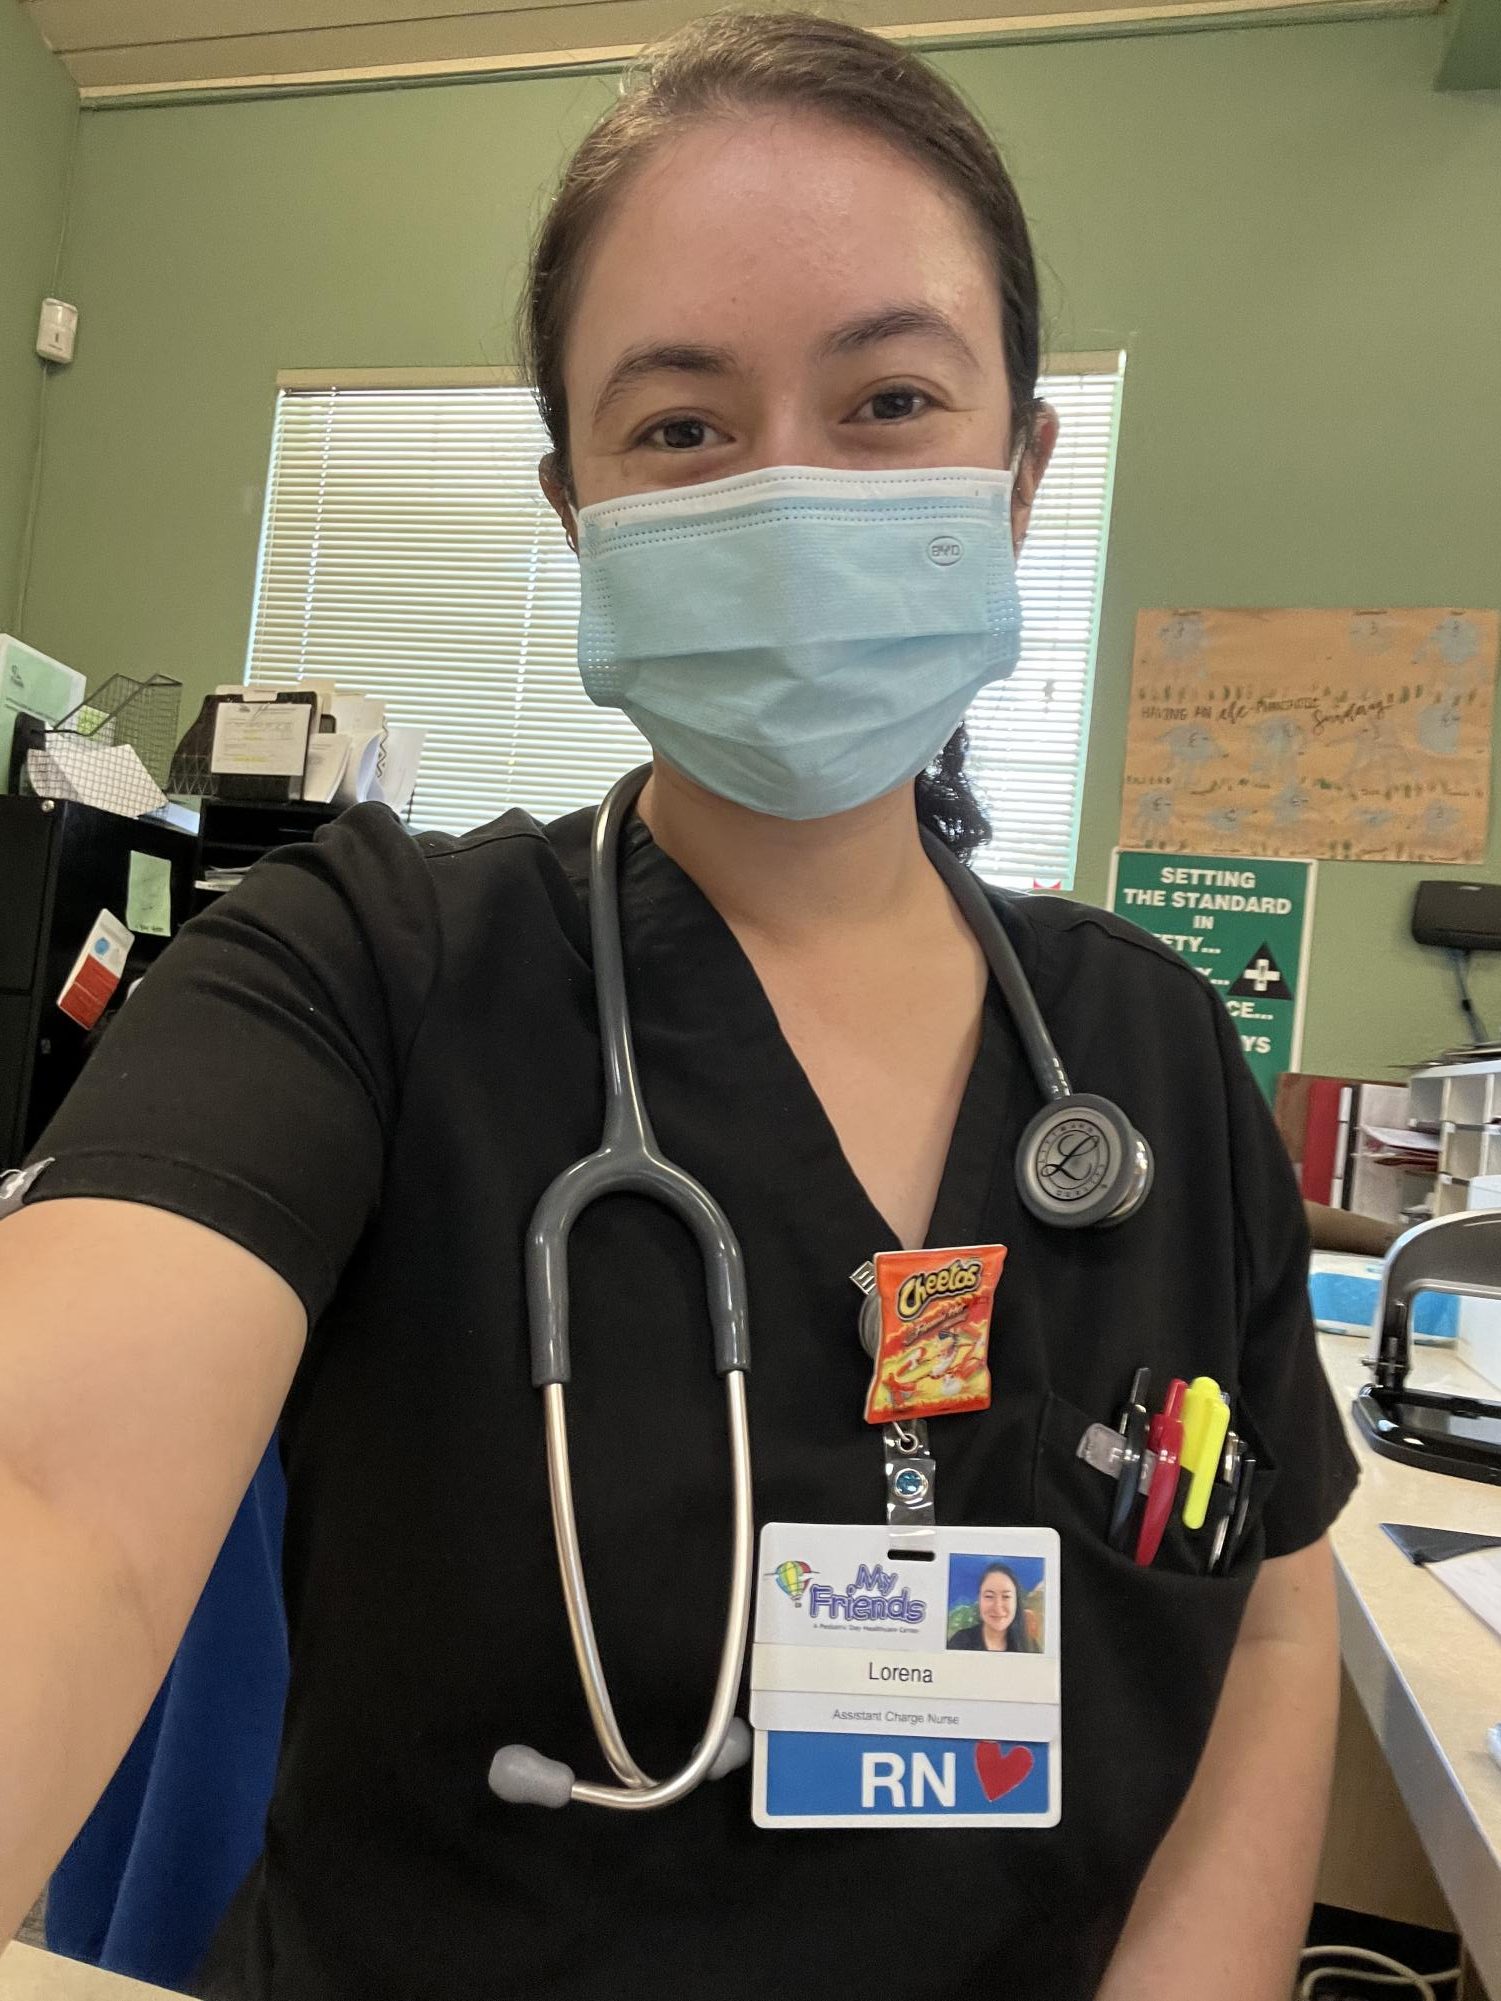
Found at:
[1145, 1650]
[1073, 1497]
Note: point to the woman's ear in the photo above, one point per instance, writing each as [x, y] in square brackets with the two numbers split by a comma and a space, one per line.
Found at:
[553, 483]
[1033, 464]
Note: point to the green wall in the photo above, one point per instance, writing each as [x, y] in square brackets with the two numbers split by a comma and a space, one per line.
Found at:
[1294, 234]
[38, 112]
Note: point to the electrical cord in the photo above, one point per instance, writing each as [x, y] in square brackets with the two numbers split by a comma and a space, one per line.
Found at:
[1467, 1006]
[1371, 1969]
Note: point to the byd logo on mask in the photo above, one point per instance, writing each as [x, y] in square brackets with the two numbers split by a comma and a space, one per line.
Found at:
[945, 550]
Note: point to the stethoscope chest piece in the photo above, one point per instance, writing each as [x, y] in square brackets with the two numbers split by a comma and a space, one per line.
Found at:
[1081, 1164]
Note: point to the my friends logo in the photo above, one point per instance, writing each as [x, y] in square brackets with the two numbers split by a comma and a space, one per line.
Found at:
[792, 1577]
[871, 1599]
[952, 1280]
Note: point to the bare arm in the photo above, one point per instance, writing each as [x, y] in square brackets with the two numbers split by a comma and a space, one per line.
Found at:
[1224, 1905]
[143, 1362]
[1344, 1230]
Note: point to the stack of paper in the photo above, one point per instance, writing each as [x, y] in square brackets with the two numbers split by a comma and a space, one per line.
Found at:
[362, 757]
[1403, 1146]
[109, 776]
[1475, 1578]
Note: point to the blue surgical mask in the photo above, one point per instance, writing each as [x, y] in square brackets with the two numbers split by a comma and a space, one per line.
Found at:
[800, 640]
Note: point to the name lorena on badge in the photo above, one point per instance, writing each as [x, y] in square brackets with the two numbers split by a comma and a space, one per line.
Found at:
[932, 1360]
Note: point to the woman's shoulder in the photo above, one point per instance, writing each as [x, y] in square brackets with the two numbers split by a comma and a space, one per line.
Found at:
[1131, 1019]
[432, 888]
[968, 1640]
[1092, 970]
[1068, 938]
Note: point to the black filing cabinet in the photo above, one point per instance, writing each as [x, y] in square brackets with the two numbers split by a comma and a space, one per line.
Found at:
[60, 865]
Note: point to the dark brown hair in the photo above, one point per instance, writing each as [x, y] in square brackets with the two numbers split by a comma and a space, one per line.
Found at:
[730, 63]
[1018, 1639]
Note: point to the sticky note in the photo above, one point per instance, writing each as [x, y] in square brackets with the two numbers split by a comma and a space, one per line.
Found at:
[148, 903]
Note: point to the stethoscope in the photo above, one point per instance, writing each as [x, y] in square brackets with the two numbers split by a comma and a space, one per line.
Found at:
[1080, 1164]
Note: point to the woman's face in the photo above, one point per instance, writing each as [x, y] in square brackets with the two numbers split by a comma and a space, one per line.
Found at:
[997, 1604]
[776, 289]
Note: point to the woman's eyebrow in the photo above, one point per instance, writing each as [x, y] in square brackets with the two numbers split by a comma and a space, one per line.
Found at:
[891, 323]
[661, 358]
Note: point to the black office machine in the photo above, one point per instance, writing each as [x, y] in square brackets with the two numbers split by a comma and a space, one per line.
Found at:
[61, 863]
[1439, 1430]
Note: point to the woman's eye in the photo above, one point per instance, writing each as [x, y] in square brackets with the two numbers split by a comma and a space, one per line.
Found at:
[681, 434]
[889, 406]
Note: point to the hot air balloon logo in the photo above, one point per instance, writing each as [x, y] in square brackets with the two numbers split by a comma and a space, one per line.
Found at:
[793, 1577]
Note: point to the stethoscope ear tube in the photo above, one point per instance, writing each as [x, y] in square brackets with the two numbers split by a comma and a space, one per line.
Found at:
[524, 1777]
[627, 1161]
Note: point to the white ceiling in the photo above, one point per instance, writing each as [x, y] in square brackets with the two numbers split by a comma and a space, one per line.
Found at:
[123, 48]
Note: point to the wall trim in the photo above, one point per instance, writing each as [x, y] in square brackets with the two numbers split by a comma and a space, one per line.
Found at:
[1088, 24]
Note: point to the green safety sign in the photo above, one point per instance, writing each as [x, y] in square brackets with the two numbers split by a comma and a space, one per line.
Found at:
[1245, 925]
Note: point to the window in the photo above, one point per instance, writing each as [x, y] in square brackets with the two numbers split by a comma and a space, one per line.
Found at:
[1028, 735]
[407, 551]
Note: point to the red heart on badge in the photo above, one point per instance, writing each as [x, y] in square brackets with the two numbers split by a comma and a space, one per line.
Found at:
[1001, 1772]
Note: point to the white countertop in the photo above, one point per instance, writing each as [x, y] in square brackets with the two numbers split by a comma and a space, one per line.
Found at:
[1428, 1671]
[28, 1975]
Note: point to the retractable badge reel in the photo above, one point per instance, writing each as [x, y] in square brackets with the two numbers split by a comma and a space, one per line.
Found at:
[911, 1473]
[925, 1324]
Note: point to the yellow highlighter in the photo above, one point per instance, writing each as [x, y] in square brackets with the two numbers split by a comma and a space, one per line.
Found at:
[1206, 1419]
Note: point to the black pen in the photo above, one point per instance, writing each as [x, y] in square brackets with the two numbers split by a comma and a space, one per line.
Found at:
[1243, 1479]
[1222, 1503]
[1133, 1431]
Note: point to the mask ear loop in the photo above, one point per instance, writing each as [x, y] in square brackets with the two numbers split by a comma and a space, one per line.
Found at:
[1018, 461]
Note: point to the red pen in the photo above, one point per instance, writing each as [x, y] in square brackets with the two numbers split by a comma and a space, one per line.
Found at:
[1165, 1438]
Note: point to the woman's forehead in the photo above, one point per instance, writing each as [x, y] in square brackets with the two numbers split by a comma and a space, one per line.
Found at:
[762, 232]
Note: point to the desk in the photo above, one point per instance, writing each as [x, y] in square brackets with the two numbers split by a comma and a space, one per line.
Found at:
[28, 1975]
[1427, 1671]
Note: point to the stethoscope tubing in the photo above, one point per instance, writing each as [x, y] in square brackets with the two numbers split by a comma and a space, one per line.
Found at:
[628, 1160]
[1000, 955]
[637, 1791]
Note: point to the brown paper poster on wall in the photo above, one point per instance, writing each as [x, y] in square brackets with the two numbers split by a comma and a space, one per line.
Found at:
[1347, 735]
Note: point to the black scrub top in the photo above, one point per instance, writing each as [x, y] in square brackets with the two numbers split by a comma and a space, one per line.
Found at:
[366, 1065]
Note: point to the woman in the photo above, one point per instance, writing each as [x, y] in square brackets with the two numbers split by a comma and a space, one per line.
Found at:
[295, 1183]
[1000, 1624]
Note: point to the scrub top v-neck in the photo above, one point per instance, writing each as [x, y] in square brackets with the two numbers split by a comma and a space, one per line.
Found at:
[366, 1065]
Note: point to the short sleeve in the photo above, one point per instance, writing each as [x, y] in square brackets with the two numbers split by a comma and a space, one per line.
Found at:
[251, 1081]
[1284, 1390]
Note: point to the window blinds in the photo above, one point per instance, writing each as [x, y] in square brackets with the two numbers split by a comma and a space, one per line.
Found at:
[1028, 735]
[407, 551]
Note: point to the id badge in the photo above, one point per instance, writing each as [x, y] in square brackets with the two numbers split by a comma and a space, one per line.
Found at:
[893, 1689]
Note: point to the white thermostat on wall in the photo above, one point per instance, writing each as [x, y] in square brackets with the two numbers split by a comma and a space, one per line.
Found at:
[57, 331]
